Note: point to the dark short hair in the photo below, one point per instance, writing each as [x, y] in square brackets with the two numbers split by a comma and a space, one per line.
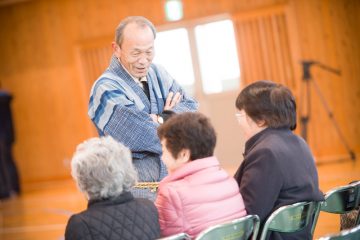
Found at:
[139, 20]
[191, 131]
[269, 102]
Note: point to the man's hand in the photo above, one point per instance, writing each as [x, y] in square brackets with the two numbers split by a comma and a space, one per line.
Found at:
[172, 100]
[154, 117]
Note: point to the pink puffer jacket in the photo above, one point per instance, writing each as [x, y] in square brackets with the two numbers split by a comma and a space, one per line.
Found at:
[196, 196]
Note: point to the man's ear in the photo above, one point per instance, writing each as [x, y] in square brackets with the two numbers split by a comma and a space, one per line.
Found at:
[116, 49]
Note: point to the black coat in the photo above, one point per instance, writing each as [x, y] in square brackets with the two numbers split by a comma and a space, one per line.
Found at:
[9, 179]
[124, 217]
[278, 169]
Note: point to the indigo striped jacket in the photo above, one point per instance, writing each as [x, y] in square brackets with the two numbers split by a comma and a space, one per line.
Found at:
[119, 107]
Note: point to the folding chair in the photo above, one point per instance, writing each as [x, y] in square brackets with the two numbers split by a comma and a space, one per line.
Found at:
[238, 229]
[342, 200]
[349, 234]
[290, 218]
[179, 236]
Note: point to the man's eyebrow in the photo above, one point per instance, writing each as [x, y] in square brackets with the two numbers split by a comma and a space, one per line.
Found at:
[140, 50]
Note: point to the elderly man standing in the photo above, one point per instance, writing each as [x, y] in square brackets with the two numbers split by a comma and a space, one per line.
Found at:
[132, 98]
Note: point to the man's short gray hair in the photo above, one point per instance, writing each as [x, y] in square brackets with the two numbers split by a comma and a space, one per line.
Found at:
[139, 20]
[102, 168]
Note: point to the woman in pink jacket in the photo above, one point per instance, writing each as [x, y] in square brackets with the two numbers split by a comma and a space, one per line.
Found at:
[197, 193]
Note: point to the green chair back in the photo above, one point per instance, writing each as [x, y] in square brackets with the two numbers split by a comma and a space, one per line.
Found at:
[290, 218]
[349, 234]
[238, 229]
[341, 200]
[179, 236]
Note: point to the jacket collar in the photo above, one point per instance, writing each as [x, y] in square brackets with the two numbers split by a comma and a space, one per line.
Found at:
[122, 198]
[192, 167]
[117, 68]
[252, 142]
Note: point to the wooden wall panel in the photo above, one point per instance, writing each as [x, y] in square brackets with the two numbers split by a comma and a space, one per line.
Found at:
[42, 43]
[264, 47]
[94, 58]
[49, 108]
[328, 32]
[274, 40]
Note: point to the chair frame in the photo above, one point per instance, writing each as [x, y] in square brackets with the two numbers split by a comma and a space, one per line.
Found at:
[348, 234]
[291, 218]
[241, 223]
[341, 200]
[178, 236]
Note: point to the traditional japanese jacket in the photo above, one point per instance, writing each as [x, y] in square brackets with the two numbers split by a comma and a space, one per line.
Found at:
[119, 107]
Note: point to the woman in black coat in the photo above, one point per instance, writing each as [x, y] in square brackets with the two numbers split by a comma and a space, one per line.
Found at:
[103, 171]
[278, 167]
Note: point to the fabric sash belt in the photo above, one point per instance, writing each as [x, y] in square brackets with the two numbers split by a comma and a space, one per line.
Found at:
[147, 185]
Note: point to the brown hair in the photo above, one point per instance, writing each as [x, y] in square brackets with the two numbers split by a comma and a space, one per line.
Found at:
[269, 102]
[191, 131]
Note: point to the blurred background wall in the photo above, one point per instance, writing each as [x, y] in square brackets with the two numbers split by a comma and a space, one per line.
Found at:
[46, 63]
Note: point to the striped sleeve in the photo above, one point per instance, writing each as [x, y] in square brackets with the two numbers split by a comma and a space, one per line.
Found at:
[187, 103]
[105, 95]
[116, 115]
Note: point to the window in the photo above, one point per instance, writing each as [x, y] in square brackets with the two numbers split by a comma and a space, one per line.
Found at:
[172, 51]
[219, 65]
[212, 45]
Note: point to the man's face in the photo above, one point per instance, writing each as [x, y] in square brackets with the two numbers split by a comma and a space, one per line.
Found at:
[137, 50]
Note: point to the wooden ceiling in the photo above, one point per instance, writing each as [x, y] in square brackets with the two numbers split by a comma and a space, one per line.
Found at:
[4, 3]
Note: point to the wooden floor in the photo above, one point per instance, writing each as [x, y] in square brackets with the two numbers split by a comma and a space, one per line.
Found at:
[42, 213]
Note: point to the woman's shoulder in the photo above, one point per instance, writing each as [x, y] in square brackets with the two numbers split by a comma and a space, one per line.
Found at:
[144, 203]
[77, 223]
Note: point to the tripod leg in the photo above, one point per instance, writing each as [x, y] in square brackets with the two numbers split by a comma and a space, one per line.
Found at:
[331, 116]
[305, 108]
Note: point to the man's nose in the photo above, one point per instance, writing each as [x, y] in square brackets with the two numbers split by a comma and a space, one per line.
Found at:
[143, 59]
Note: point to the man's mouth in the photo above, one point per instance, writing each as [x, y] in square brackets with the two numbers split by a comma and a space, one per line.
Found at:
[143, 69]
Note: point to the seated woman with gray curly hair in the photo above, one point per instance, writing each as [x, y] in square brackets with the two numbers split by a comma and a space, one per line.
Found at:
[103, 171]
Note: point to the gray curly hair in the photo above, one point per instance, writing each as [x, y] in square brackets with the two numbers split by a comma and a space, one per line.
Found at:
[102, 168]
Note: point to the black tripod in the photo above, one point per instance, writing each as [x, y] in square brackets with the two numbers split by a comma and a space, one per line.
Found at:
[305, 116]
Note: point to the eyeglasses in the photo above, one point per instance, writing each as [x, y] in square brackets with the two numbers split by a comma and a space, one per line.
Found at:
[239, 115]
